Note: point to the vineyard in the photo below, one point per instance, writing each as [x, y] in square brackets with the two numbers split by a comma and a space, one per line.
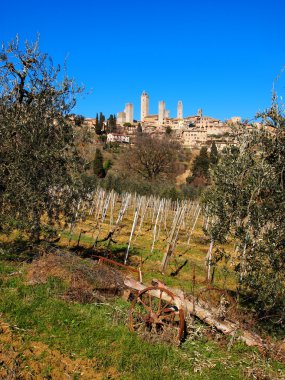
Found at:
[153, 234]
[141, 238]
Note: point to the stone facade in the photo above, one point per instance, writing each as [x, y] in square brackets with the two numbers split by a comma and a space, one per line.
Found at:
[112, 137]
[121, 118]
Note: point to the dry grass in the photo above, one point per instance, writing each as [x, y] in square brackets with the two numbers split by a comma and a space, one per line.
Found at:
[86, 280]
[140, 253]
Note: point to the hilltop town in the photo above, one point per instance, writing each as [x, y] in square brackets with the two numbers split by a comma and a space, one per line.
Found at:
[192, 130]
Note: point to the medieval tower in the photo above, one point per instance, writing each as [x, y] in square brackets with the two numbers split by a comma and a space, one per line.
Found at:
[180, 110]
[129, 110]
[161, 112]
[144, 105]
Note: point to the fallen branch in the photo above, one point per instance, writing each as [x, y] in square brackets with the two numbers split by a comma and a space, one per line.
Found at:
[176, 272]
[200, 310]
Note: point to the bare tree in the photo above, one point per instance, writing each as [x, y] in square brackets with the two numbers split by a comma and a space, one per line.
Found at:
[152, 158]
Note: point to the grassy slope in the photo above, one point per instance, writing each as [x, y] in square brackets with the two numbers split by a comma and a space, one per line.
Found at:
[100, 332]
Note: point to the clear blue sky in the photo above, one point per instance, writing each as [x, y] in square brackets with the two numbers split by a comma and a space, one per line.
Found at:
[218, 55]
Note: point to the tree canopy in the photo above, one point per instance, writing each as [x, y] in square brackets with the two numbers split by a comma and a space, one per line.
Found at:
[151, 158]
[246, 204]
[39, 161]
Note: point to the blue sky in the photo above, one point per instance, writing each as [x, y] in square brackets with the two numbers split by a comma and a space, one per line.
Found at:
[221, 56]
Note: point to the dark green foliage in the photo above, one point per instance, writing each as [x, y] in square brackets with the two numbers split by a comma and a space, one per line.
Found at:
[200, 169]
[111, 124]
[103, 139]
[191, 192]
[78, 120]
[101, 119]
[247, 201]
[214, 155]
[170, 193]
[125, 184]
[89, 183]
[98, 168]
[39, 162]
[99, 123]
[107, 165]
[98, 129]
[168, 130]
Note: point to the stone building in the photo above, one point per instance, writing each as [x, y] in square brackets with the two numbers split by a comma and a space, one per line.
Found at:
[193, 137]
[113, 137]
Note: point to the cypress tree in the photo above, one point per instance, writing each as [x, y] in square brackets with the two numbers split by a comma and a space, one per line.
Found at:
[101, 119]
[200, 167]
[214, 155]
[98, 168]
[98, 127]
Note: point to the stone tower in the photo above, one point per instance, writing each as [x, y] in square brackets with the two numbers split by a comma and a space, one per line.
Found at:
[129, 110]
[121, 118]
[167, 114]
[161, 112]
[180, 110]
[144, 105]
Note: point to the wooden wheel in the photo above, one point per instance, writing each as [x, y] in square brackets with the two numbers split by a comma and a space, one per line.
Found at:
[155, 315]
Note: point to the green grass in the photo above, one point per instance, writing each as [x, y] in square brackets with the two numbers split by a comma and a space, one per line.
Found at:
[74, 237]
[101, 331]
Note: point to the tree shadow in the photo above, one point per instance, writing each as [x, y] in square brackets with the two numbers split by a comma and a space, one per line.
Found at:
[19, 250]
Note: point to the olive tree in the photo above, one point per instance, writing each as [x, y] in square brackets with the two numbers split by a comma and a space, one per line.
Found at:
[246, 203]
[39, 162]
